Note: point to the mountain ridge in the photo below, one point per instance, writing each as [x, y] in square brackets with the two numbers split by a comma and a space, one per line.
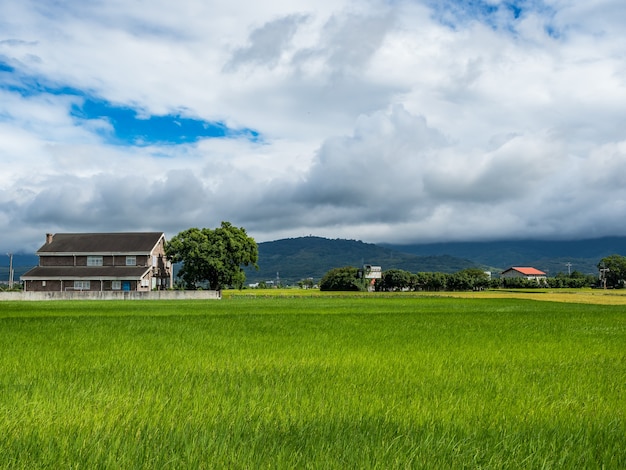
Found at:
[292, 259]
[287, 259]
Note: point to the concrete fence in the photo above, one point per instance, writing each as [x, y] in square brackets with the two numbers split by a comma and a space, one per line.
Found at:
[114, 295]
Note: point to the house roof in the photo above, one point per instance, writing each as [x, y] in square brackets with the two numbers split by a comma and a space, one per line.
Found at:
[86, 272]
[95, 243]
[527, 271]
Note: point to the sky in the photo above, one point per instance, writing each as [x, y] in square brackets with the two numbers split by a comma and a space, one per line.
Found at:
[399, 121]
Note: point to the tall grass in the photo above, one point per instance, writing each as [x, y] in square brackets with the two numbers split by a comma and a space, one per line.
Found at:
[325, 382]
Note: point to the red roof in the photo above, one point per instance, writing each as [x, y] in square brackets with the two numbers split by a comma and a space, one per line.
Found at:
[528, 271]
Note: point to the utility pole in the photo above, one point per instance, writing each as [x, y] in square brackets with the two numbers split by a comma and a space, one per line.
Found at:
[569, 268]
[603, 272]
[10, 255]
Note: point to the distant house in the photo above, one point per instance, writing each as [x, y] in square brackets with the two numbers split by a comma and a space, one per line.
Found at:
[526, 273]
[132, 261]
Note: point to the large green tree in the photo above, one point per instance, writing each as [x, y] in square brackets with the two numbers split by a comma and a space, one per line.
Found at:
[614, 269]
[214, 256]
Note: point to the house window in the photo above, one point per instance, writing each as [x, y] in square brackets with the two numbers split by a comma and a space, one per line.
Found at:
[116, 285]
[94, 260]
[43, 283]
[131, 261]
[81, 285]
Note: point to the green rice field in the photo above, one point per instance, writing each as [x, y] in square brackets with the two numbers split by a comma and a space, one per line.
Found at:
[320, 382]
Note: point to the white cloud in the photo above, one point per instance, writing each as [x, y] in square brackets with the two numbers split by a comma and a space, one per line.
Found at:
[377, 120]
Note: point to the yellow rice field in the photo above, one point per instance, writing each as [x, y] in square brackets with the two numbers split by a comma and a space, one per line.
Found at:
[580, 296]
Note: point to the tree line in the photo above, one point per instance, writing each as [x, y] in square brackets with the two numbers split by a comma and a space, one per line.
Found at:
[612, 274]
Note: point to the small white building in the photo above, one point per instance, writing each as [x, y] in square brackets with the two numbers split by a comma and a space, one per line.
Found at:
[524, 272]
[372, 272]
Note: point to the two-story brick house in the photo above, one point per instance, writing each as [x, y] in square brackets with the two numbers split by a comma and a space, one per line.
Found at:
[101, 262]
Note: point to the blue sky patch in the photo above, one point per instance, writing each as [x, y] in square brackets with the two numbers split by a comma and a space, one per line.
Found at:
[130, 128]
[4, 67]
[502, 15]
[11, 79]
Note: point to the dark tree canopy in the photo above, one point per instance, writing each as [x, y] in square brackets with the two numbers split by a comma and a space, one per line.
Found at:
[341, 279]
[394, 279]
[213, 256]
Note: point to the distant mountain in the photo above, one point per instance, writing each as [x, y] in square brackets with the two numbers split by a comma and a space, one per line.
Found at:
[294, 259]
[549, 256]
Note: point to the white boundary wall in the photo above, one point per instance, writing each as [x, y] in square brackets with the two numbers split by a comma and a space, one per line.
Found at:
[115, 295]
